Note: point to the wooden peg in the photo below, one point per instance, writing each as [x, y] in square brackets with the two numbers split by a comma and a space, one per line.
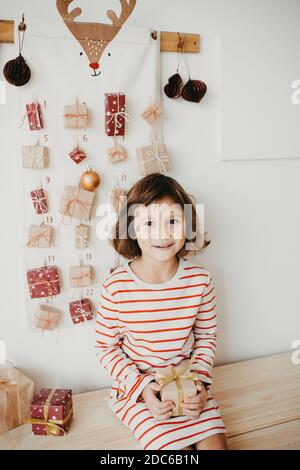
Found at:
[178, 42]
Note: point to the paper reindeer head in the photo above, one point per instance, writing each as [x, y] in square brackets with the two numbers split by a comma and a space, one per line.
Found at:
[94, 37]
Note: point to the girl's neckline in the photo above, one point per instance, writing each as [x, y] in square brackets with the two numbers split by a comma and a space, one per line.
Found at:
[156, 285]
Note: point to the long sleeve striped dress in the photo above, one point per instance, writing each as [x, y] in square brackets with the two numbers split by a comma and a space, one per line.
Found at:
[144, 326]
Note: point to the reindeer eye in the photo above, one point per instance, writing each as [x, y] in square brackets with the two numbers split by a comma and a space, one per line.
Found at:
[108, 54]
[81, 53]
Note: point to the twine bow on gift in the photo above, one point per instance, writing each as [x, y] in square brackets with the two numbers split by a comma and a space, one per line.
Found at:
[76, 115]
[82, 313]
[34, 240]
[115, 117]
[33, 110]
[69, 210]
[176, 373]
[51, 285]
[6, 381]
[116, 153]
[153, 113]
[85, 272]
[35, 159]
[39, 202]
[156, 156]
[53, 426]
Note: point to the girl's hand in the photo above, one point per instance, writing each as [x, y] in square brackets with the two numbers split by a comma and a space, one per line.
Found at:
[160, 410]
[193, 406]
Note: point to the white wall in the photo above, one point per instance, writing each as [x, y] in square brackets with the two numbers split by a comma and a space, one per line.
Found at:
[251, 206]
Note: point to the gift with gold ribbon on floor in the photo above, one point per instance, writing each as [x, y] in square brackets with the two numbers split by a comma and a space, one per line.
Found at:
[178, 383]
[51, 412]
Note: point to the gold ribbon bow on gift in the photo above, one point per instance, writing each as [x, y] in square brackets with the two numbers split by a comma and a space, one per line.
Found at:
[176, 373]
[53, 426]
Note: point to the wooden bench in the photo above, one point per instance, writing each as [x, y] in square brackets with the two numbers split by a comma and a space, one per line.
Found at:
[259, 401]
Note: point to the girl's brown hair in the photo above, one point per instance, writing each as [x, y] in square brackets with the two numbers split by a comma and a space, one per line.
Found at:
[155, 188]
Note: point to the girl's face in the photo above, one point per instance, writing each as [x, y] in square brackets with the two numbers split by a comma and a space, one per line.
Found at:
[160, 229]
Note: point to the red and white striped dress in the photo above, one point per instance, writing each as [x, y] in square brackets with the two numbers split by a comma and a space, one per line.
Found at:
[143, 326]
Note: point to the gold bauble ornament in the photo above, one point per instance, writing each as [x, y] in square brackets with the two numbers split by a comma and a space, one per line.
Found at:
[89, 180]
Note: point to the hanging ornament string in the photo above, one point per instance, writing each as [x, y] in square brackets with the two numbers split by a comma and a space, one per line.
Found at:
[21, 30]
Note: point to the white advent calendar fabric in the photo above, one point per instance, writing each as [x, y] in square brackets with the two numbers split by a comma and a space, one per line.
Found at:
[60, 75]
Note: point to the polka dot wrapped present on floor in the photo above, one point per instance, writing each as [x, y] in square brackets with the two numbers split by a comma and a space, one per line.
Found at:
[51, 412]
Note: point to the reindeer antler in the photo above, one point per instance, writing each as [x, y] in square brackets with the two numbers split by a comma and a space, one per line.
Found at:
[63, 5]
[127, 8]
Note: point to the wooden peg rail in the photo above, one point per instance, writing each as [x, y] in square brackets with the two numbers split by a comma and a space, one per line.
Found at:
[7, 31]
[178, 42]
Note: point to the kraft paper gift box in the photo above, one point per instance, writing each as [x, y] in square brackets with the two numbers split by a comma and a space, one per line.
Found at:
[81, 275]
[16, 392]
[51, 412]
[39, 201]
[35, 156]
[116, 154]
[81, 311]
[153, 158]
[115, 115]
[46, 317]
[82, 236]
[178, 382]
[43, 282]
[34, 114]
[153, 113]
[39, 236]
[76, 202]
[75, 116]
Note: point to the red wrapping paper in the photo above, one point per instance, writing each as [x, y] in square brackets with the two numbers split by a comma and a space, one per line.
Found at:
[77, 155]
[43, 282]
[115, 115]
[81, 311]
[52, 406]
[35, 120]
[39, 201]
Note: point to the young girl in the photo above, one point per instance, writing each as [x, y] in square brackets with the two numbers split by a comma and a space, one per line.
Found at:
[156, 310]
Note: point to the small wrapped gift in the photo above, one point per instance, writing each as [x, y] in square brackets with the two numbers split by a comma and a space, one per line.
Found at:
[116, 154]
[118, 195]
[115, 115]
[46, 317]
[178, 383]
[153, 158]
[81, 275]
[35, 121]
[77, 154]
[35, 156]
[76, 202]
[16, 392]
[51, 412]
[39, 201]
[81, 311]
[43, 282]
[39, 236]
[153, 113]
[82, 236]
[76, 116]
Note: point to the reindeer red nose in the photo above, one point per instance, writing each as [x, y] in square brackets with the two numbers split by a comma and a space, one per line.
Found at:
[94, 65]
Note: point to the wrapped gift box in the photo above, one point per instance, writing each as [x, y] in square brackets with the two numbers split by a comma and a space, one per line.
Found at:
[16, 392]
[118, 195]
[178, 383]
[35, 156]
[115, 115]
[39, 236]
[76, 202]
[153, 113]
[34, 115]
[81, 275]
[82, 236]
[46, 317]
[81, 311]
[76, 116]
[51, 412]
[116, 154]
[152, 159]
[77, 154]
[43, 282]
[39, 201]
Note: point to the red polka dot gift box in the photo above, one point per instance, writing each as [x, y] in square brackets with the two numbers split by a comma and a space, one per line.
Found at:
[51, 412]
[43, 282]
[81, 311]
[115, 115]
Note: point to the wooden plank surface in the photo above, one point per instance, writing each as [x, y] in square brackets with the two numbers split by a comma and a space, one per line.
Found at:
[7, 31]
[259, 401]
